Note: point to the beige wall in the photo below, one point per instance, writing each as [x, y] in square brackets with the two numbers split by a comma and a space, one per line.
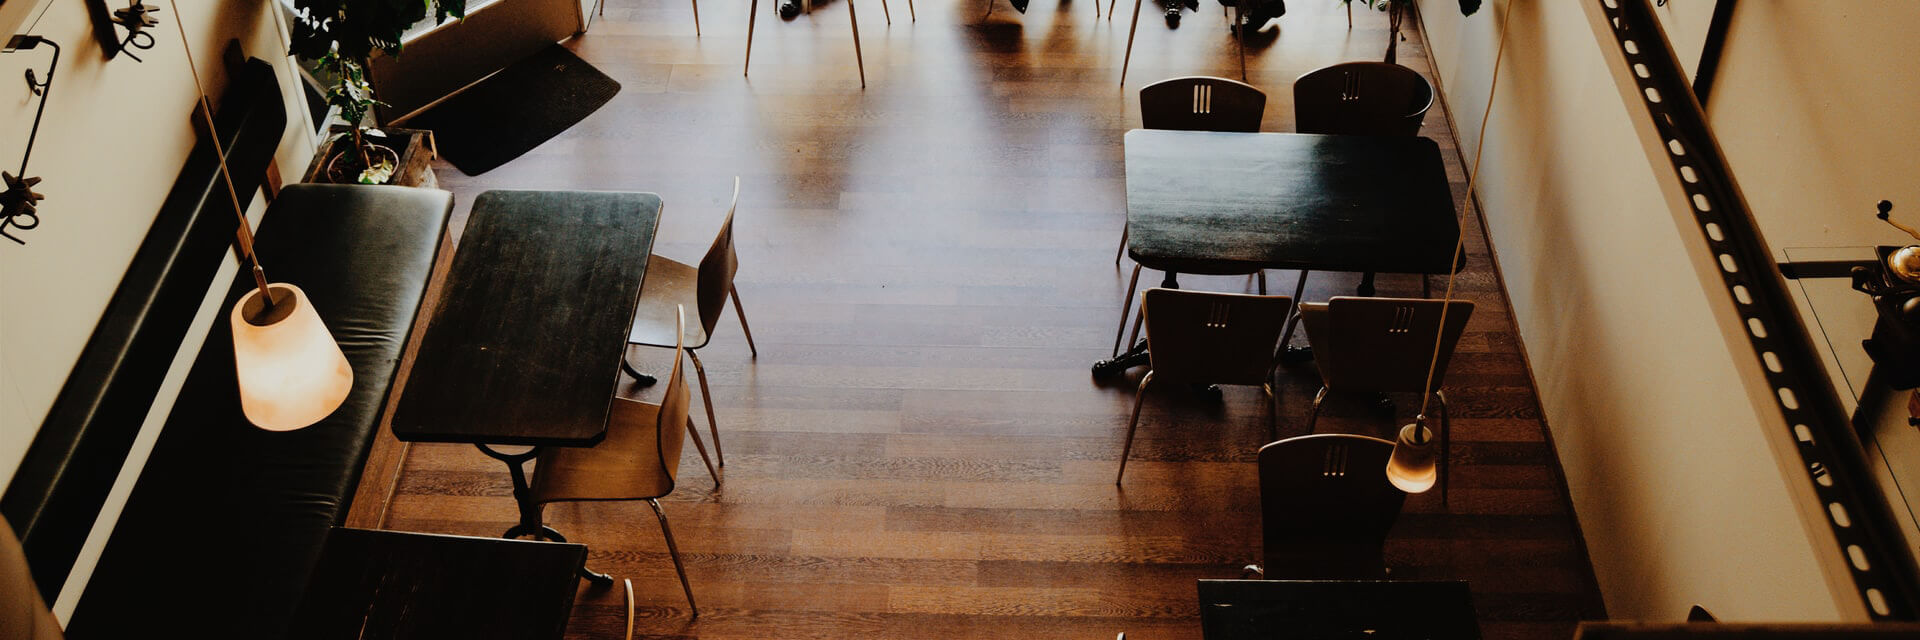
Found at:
[1677, 488]
[111, 144]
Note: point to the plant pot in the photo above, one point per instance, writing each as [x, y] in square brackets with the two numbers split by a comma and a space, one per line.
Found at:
[345, 166]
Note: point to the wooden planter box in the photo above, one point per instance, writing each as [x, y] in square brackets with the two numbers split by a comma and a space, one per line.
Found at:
[414, 146]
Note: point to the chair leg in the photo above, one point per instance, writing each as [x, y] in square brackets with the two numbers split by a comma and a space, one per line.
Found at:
[1313, 415]
[1139, 315]
[735, 294]
[857, 60]
[1446, 444]
[1139, 396]
[1117, 253]
[1273, 411]
[1263, 281]
[1126, 309]
[989, 12]
[674, 551]
[1127, 59]
[1109, 9]
[753, 12]
[886, 13]
[1240, 37]
[701, 446]
[706, 396]
[911, 16]
[696, 19]
[1293, 319]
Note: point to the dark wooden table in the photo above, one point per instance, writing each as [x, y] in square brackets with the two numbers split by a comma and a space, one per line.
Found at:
[1337, 609]
[1230, 203]
[398, 585]
[525, 345]
[1233, 203]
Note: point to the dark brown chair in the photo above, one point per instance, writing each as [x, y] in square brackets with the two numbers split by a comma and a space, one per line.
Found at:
[1384, 345]
[1192, 103]
[1326, 507]
[671, 284]
[1360, 99]
[1204, 338]
[638, 460]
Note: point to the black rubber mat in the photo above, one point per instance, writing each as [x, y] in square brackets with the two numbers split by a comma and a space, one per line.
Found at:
[513, 111]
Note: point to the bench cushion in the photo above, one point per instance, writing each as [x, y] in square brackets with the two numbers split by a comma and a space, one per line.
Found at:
[227, 520]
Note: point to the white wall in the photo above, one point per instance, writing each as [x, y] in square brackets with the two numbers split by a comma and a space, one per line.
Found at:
[1677, 489]
[110, 146]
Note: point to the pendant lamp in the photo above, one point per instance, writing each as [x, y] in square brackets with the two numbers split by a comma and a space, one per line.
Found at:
[1412, 467]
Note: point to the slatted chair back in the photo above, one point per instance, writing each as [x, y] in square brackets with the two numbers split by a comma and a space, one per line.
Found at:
[1202, 103]
[1326, 507]
[1361, 98]
[1204, 337]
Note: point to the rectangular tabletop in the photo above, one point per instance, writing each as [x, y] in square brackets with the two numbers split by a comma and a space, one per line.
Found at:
[525, 345]
[393, 584]
[1330, 609]
[1225, 203]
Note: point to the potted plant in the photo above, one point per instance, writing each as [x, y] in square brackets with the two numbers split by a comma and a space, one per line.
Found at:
[341, 35]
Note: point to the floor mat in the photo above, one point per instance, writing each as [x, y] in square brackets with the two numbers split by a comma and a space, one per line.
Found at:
[513, 111]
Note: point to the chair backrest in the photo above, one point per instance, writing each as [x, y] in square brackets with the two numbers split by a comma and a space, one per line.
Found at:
[1202, 103]
[717, 268]
[1212, 338]
[22, 613]
[640, 457]
[1382, 344]
[1361, 98]
[671, 428]
[1326, 506]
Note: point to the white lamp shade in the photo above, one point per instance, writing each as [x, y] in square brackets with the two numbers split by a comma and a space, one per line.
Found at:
[1411, 468]
[291, 372]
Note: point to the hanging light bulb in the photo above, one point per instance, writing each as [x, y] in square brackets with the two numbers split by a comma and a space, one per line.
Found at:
[1411, 468]
[291, 372]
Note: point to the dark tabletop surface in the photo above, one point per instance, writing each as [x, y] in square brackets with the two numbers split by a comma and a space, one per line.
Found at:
[1334, 609]
[525, 346]
[393, 584]
[1227, 203]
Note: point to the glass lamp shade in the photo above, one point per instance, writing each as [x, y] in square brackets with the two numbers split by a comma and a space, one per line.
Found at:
[291, 372]
[1411, 468]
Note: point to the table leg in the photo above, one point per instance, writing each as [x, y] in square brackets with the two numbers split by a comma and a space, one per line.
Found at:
[1365, 290]
[530, 512]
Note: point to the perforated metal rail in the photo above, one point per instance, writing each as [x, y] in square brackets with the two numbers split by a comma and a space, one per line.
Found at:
[1882, 568]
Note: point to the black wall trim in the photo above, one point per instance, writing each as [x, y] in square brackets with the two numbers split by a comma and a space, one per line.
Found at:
[1710, 50]
[57, 493]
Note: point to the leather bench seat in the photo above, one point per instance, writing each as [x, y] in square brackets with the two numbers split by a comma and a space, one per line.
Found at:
[227, 521]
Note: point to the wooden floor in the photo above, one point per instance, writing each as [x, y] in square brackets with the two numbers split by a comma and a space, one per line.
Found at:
[918, 450]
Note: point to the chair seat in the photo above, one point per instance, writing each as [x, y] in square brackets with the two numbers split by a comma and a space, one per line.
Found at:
[624, 466]
[669, 282]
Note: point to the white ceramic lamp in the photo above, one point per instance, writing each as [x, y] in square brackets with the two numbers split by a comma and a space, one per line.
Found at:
[1412, 467]
[291, 372]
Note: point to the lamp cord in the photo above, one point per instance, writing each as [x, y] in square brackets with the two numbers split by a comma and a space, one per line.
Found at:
[1479, 147]
[245, 232]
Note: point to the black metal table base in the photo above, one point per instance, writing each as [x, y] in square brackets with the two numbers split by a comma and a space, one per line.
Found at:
[530, 513]
[641, 379]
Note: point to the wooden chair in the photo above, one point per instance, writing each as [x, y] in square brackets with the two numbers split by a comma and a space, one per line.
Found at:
[1204, 338]
[672, 284]
[638, 460]
[1192, 103]
[1384, 345]
[1360, 99]
[1326, 507]
[852, 20]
